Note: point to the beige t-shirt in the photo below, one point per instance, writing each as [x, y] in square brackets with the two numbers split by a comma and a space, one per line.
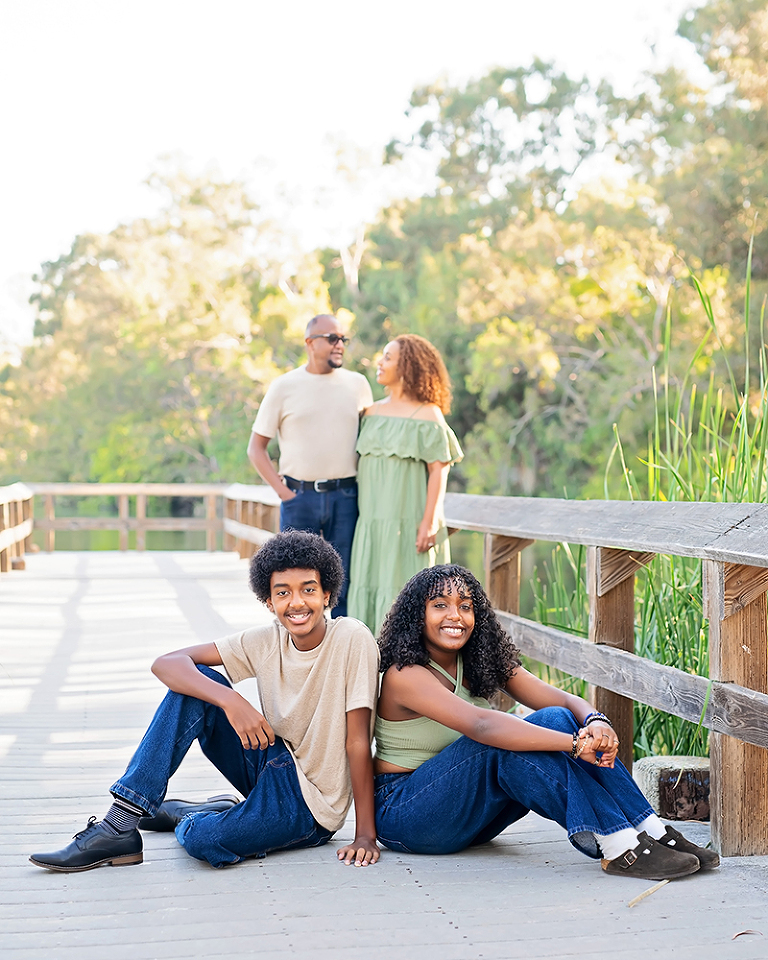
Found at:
[315, 418]
[305, 695]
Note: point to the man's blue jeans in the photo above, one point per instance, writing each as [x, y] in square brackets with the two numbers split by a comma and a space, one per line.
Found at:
[332, 515]
[469, 792]
[273, 815]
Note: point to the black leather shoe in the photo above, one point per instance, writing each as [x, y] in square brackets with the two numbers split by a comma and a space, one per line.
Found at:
[674, 840]
[651, 860]
[171, 811]
[93, 847]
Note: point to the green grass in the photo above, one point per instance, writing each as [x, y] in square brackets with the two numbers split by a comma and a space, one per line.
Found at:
[706, 445]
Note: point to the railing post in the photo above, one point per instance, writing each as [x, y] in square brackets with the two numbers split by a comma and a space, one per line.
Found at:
[50, 514]
[502, 571]
[735, 603]
[611, 589]
[230, 543]
[5, 555]
[123, 513]
[210, 516]
[141, 515]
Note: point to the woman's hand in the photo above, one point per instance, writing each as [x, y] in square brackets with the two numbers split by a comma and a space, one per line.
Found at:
[603, 741]
[426, 536]
[362, 851]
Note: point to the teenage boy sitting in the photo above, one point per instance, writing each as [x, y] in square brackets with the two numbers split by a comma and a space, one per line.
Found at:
[299, 765]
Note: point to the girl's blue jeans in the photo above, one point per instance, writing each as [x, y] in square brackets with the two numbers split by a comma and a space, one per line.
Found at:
[273, 816]
[469, 792]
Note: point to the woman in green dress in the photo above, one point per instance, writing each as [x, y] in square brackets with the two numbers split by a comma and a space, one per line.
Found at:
[406, 449]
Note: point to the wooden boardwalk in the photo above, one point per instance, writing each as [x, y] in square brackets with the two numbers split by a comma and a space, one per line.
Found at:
[78, 632]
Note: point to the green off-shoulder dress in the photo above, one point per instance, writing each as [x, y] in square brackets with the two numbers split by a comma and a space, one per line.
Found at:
[392, 494]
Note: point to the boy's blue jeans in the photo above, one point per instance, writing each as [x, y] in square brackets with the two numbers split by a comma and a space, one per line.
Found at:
[273, 815]
[469, 792]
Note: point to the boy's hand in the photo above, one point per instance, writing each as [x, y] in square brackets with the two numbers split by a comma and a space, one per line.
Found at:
[361, 852]
[251, 726]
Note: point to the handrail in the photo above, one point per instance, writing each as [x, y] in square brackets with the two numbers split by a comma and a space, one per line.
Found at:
[15, 525]
[124, 523]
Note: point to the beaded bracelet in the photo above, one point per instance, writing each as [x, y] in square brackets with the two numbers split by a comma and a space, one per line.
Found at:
[596, 715]
[575, 746]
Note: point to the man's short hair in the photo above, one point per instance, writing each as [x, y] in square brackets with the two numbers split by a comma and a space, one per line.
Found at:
[296, 550]
[313, 322]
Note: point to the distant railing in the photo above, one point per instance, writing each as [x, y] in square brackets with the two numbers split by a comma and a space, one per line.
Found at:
[124, 523]
[251, 517]
[15, 525]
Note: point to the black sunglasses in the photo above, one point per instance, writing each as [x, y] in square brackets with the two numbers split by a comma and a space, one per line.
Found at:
[332, 338]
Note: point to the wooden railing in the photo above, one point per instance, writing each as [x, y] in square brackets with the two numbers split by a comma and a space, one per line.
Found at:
[251, 517]
[731, 540]
[15, 525]
[124, 523]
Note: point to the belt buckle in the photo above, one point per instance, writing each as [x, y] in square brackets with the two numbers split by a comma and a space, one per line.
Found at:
[315, 485]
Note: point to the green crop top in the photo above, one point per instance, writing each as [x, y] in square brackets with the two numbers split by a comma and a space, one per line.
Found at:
[409, 743]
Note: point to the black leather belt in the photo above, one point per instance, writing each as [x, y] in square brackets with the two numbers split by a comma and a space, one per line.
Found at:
[319, 486]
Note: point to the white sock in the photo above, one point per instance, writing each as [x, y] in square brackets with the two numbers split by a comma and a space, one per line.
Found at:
[614, 844]
[653, 827]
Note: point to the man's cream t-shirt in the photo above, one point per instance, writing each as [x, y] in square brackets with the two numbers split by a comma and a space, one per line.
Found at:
[305, 695]
[315, 418]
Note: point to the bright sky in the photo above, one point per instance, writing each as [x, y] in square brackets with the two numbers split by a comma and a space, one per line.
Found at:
[93, 92]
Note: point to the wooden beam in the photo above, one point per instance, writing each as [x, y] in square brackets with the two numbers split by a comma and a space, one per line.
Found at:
[613, 567]
[502, 571]
[730, 709]
[612, 623]
[248, 534]
[735, 602]
[210, 516]
[732, 532]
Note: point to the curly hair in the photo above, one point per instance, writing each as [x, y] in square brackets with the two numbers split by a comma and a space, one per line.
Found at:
[490, 657]
[296, 550]
[423, 372]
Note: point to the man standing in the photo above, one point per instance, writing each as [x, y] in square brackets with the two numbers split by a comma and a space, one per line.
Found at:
[315, 412]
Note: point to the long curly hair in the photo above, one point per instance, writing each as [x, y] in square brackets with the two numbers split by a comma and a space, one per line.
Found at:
[490, 657]
[296, 550]
[423, 372]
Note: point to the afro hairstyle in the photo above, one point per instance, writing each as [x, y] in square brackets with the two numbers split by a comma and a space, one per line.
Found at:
[296, 550]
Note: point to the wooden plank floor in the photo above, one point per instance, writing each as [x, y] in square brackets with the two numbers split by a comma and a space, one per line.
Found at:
[78, 632]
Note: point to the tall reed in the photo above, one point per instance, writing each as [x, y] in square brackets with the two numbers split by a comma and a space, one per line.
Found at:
[705, 445]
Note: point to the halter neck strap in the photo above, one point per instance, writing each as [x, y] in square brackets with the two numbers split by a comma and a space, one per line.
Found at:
[458, 679]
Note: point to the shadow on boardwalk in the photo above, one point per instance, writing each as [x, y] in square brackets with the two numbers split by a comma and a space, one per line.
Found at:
[77, 635]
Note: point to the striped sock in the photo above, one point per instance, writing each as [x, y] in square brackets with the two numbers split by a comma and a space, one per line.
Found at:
[123, 816]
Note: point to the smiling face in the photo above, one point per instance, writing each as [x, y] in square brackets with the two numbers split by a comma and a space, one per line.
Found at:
[323, 357]
[297, 599]
[387, 365]
[449, 619]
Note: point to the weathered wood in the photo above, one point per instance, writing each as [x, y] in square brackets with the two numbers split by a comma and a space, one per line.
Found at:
[131, 523]
[210, 515]
[733, 532]
[141, 514]
[50, 513]
[14, 535]
[129, 489]
[502, 570]
[738, 653]
[123, 512]
[248, 534]
[613, 567]
[612, 622]
[731, 709]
